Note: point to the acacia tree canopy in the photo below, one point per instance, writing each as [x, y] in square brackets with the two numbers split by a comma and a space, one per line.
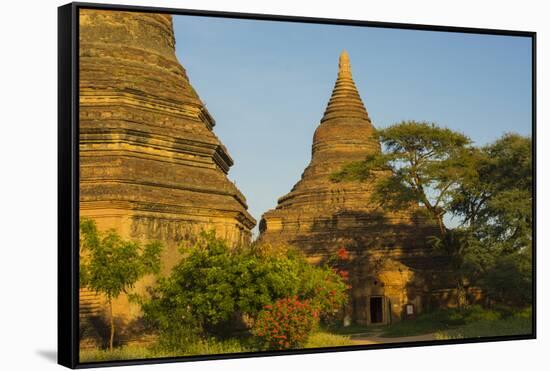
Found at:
[488, 188]
[496, 202]
[426, 164]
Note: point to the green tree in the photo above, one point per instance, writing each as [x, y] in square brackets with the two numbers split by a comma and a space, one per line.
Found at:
[110, 265]
[509, 280]
[496, 208]
[488, 188]
[427, 163]
[496, 201]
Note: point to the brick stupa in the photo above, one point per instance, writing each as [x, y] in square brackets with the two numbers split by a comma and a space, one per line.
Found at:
[151, 166]
[319, 216]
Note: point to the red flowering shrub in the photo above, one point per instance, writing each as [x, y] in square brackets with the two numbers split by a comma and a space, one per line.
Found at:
[330, 293]
[331, 286]
[286, 324]
[340, 263]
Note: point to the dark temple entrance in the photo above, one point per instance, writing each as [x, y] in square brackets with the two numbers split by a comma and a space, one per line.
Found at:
[376, 309]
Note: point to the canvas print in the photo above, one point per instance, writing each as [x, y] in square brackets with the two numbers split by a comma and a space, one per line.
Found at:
[269, 186]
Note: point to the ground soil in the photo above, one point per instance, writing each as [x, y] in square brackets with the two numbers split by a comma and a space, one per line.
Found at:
[376, 337]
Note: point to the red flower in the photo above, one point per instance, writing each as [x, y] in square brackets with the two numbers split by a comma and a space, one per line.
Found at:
[286, 324]
[344, 274]
[343, 254]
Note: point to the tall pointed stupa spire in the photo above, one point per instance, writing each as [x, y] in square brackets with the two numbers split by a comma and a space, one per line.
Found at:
[345, 134]
[344, 67]
[345, 100]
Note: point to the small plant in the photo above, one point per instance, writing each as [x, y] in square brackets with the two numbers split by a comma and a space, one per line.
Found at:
[110, 265]
[286, 324]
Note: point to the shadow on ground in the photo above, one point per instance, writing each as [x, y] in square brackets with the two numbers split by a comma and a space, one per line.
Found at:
[50, 355]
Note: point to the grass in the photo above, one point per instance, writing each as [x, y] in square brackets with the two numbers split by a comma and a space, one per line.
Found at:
[210, 346]
[423, 324]
[322, 339]
[516, 325]
[318, 339]
[470, 322]
[445, 324]
[122, 353]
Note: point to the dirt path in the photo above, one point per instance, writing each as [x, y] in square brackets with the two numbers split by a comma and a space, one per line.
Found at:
[376, 338]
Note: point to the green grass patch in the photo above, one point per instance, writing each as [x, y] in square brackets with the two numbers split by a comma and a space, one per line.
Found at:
[516, 325]
[318, 339]
[202, 347]
[467, 323]
[324, 339]
[473, 321]
[121, 353]
[423, 324]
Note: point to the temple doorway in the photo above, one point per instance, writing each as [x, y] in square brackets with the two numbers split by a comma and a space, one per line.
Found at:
[376, 309]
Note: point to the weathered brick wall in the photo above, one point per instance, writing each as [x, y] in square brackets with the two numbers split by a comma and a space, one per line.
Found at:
[151, 166]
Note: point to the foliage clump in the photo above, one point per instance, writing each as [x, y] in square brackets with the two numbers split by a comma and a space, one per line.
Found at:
[286, 324]
[489, 189]
[110, 265]
[215, 289]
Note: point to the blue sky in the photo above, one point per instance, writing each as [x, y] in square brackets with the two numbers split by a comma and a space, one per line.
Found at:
[267, 83]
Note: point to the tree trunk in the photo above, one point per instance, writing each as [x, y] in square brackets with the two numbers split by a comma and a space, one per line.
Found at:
[460, 294]
[441, 225]
[112, 322]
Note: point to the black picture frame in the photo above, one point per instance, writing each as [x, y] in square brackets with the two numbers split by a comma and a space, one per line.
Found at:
[68, 179]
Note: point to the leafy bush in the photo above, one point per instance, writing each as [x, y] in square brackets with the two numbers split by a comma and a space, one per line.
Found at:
[510, 280]
[174, 324]
[214, 286]
[325, 289]
[285, 324]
